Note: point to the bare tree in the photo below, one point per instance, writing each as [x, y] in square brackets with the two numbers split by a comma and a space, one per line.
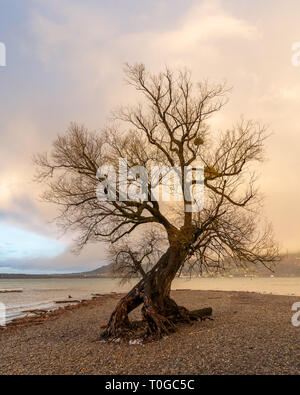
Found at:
[170, 127]
[134, 258]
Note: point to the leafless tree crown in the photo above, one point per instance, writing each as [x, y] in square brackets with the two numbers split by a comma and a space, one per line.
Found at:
[170, 127]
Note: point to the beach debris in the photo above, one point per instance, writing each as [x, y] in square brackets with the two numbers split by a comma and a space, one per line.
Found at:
[136, 342]
[96, 297]
[4, 291]
[67, 301]
[37, 312]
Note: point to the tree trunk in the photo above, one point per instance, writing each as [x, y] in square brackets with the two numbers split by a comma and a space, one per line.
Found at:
[160, 313]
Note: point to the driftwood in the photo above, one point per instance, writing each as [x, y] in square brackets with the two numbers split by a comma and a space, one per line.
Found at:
[201, 314]
[6, 291]
[37, 312]
[67, 301]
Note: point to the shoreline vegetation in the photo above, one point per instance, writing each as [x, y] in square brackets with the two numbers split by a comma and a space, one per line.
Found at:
[250, 333]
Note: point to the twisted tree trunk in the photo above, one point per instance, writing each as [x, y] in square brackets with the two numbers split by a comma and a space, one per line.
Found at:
[160, 313]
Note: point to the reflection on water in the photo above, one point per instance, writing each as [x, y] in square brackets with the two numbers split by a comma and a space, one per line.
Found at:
[42, 293]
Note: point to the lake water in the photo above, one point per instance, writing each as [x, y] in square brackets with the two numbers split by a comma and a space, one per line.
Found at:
[42, 293]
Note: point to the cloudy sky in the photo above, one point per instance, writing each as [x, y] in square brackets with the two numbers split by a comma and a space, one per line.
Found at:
[64, 63]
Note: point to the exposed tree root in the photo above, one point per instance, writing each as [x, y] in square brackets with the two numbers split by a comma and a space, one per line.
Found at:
[157, 324]
[119, 324]
[160, 313]
[158, 320]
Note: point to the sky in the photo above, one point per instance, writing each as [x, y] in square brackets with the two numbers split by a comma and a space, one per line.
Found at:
[64, 62]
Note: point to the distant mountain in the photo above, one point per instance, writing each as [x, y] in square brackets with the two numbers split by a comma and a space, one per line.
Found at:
[107, 269]
[103, 271]
[288, 267]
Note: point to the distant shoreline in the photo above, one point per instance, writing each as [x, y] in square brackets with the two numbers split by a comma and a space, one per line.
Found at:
[111, 276]
[48, 276]
[288, 267]
[38, 316]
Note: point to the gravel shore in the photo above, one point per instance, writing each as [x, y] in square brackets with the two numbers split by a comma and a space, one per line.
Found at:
[251, 334]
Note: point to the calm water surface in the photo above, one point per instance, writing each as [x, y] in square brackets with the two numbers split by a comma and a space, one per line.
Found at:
[42, 293]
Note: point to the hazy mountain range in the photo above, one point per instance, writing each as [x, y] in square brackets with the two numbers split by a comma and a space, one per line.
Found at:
[288, 267]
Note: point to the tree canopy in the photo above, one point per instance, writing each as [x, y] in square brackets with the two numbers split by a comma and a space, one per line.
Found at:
[169, 127]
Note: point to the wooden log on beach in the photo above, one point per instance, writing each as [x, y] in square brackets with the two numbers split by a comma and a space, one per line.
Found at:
[6, 291]
[37, 312]
[67, 301]
[201, 313]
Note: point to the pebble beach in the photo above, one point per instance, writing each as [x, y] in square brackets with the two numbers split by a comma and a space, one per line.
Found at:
[250, 333]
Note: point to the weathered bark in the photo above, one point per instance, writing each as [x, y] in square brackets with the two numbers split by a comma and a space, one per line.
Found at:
[160, 313]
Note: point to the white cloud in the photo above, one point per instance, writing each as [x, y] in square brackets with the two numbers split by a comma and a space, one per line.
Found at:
[205, 24]
[92, 49]
[213, 42]
[82, 50]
